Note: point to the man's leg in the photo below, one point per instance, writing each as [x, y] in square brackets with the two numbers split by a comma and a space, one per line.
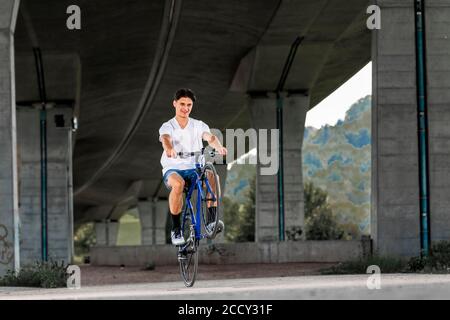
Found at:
[212, 183]
[176, 183]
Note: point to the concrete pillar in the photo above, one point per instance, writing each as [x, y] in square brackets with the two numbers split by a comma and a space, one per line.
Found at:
[395, 184]
[263, 112]
[9, 214]
[100, 233]
[153, 216]
[106, 232]
[437, 18]
[60, 219]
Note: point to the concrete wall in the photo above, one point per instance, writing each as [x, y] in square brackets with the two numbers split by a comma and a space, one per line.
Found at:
[234, 253]
[9, 218]
[60, 222]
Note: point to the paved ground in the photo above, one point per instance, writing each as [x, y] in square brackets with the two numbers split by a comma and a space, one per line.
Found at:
[393, 286]
[93, 275]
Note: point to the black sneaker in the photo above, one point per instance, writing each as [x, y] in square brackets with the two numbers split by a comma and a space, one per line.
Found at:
[177, 238]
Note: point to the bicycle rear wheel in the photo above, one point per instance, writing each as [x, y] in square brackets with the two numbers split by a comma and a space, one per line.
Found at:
[210, 200]
[188, 255]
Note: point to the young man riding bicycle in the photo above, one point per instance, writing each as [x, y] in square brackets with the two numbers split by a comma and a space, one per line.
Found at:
[184, 134]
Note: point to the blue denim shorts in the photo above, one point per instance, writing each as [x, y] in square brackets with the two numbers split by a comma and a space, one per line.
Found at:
[187, 175]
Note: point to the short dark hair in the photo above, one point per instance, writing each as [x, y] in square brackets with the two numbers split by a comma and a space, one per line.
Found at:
[185, 93]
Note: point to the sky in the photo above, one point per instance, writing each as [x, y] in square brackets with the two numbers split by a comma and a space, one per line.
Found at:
[333, 108]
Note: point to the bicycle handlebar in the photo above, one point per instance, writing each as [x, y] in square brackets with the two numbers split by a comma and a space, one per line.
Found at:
[212, 153]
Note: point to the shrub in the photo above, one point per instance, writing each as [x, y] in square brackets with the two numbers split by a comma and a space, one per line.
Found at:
[40, 274]
[359, 266]
[437, 261]
[294, 233]
[84, 239]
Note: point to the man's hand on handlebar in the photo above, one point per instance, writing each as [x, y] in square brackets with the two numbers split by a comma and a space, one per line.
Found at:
[222, 151]
[171, 153]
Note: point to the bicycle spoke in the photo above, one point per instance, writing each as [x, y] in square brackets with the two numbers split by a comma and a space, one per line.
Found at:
[189, 262]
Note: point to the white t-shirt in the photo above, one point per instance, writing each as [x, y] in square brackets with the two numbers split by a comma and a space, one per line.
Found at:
[188, 139]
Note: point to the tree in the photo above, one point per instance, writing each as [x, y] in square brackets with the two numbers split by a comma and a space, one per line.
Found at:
[314, 198]
[320, 222]
[84, 238]
[240, 218]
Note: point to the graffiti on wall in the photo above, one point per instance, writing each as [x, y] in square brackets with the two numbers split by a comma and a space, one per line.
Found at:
[6, 249]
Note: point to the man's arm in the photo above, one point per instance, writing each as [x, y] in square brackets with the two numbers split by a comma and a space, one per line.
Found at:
[214, 142]
[166, 141]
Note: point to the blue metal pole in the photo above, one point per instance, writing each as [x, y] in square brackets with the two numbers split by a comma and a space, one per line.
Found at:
[44, 210]
[43, 143]
[280, 176]
[425, 235]
[279, 110]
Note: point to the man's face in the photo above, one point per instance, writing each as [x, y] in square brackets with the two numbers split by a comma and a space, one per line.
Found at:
[183, 107]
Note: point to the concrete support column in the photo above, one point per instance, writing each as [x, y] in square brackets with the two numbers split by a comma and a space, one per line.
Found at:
[9, 214]
[59, 153]
[437, 13]
[106, 232]
[263, 112]
[153, 216]
[395, 183]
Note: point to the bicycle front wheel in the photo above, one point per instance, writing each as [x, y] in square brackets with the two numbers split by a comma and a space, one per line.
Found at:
[188, 257]
[211, 198]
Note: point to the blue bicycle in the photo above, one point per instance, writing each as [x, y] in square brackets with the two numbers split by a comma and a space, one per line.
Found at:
[200, 190]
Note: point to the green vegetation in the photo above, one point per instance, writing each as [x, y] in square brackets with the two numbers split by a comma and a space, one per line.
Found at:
[239, 218]
[337, 159]
[40, 274]
[320, 222]
[437, 262]
[359, 266]
[84, 238]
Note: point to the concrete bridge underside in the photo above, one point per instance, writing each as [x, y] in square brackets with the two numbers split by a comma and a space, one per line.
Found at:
[118, 73]
[130, 57]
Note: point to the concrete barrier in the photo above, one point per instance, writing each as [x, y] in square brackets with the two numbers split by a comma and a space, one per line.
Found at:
[234, 253]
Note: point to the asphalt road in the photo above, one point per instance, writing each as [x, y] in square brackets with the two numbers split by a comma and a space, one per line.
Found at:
[392, 286]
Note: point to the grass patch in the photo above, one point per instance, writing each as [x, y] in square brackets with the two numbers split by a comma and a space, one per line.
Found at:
[437, 262]
[359, 266]
[40, 274]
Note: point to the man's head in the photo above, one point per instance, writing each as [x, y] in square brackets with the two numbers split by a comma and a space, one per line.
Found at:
[183, 101]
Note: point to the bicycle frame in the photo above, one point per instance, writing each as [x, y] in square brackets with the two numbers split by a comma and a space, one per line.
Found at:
[189, 208]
